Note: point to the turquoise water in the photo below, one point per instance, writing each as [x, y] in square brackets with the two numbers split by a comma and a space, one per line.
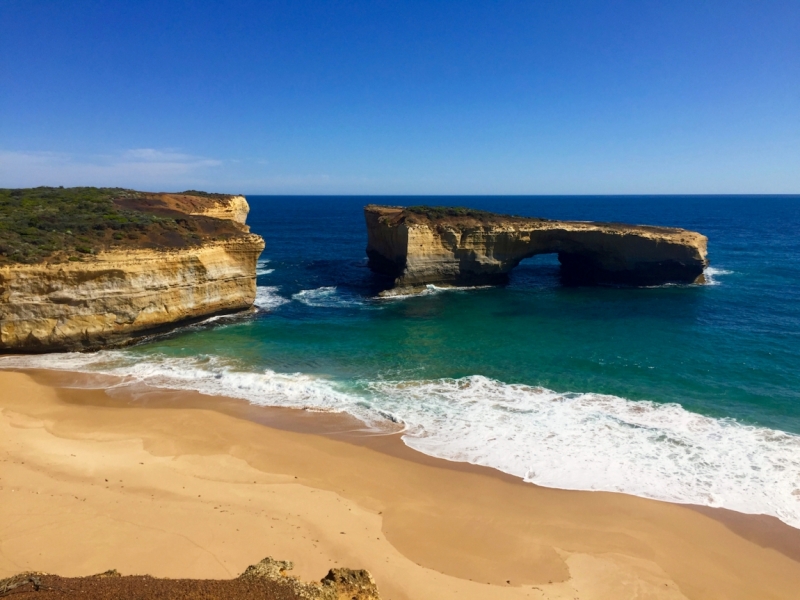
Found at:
[686, 393]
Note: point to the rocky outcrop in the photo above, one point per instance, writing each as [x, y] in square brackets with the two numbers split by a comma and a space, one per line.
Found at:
[233, 208]
[217, 206]
[422, 245]
[267, 579]
[338, 584]
[119, 294]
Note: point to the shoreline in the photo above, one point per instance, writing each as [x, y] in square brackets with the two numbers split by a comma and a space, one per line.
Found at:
[439, 524]
[345, 427]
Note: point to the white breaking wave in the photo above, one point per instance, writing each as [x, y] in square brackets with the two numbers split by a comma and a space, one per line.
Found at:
[563, 440]
[435, 289]
[431, 289]
[267, 297]
[326, 297]
[711, 274]
[261, 267]
[599, 442]
[209, 375]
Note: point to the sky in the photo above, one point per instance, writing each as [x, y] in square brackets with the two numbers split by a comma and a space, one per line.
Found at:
[379, 97]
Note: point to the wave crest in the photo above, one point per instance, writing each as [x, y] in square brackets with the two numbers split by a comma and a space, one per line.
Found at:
[326, 297]
[711, 274]
[586, 441]
[267, 297]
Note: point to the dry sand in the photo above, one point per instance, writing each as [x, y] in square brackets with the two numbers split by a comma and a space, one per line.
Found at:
[182, 485]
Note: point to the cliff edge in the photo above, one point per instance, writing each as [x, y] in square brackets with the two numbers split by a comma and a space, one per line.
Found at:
[86, 268]
[423, 245]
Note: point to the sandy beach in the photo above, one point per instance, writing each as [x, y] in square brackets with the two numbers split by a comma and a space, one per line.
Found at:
[184, 485]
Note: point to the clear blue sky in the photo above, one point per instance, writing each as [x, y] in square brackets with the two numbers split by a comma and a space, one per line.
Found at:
[434, 97]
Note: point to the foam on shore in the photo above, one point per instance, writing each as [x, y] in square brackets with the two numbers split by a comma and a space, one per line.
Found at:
[580, 441]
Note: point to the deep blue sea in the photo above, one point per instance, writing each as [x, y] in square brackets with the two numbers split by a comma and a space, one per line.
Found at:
[687, 393]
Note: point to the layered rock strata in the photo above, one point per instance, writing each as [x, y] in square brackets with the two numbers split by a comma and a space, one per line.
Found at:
[423, 245]
[119, 294]
[216, 206]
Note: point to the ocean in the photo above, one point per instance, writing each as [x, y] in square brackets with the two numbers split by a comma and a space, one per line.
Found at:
[684, 393]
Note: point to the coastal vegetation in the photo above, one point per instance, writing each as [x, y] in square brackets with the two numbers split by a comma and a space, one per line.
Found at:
[201, 194]
[88, 268]
[56, 223]
[440, 212]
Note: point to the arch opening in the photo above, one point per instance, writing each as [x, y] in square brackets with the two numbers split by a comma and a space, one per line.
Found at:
[536, 271]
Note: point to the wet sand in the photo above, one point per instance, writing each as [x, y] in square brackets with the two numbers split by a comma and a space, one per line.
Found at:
[177, 484]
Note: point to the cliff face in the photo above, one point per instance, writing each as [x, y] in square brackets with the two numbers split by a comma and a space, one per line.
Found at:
[117, 294]
[429, 246]
[233, 208]
[216, 206]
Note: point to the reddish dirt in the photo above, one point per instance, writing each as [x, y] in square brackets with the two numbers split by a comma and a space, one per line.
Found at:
[143, 587]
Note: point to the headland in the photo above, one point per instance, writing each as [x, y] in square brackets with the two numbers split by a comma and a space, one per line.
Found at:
[89, 268]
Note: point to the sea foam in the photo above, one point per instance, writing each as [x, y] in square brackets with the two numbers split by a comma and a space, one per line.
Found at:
[712, 273]
[430, 290]
[599, 442]
[261, 267]
[579, 441]
[267, 297]
[326, 297]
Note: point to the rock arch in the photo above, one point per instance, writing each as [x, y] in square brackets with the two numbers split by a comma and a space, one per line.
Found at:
[423, 245]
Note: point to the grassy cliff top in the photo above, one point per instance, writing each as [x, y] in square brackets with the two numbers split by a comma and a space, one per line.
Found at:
[435, 213]
[440, 215]
[58, 224]
[457, 216]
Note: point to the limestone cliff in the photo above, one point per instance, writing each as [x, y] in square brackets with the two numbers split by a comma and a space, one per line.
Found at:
[423, 245]
[111, 295]
[233, 208]
[217, 206]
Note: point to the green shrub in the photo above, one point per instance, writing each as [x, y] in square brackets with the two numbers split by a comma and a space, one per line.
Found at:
[58, 224]
[443, 212]
[440, 212]
[37, 222]
[203, 194]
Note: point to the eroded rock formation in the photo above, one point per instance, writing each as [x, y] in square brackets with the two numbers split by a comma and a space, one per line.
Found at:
[423, 245]
[206, 266]
[338, 584]
[267, 579]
